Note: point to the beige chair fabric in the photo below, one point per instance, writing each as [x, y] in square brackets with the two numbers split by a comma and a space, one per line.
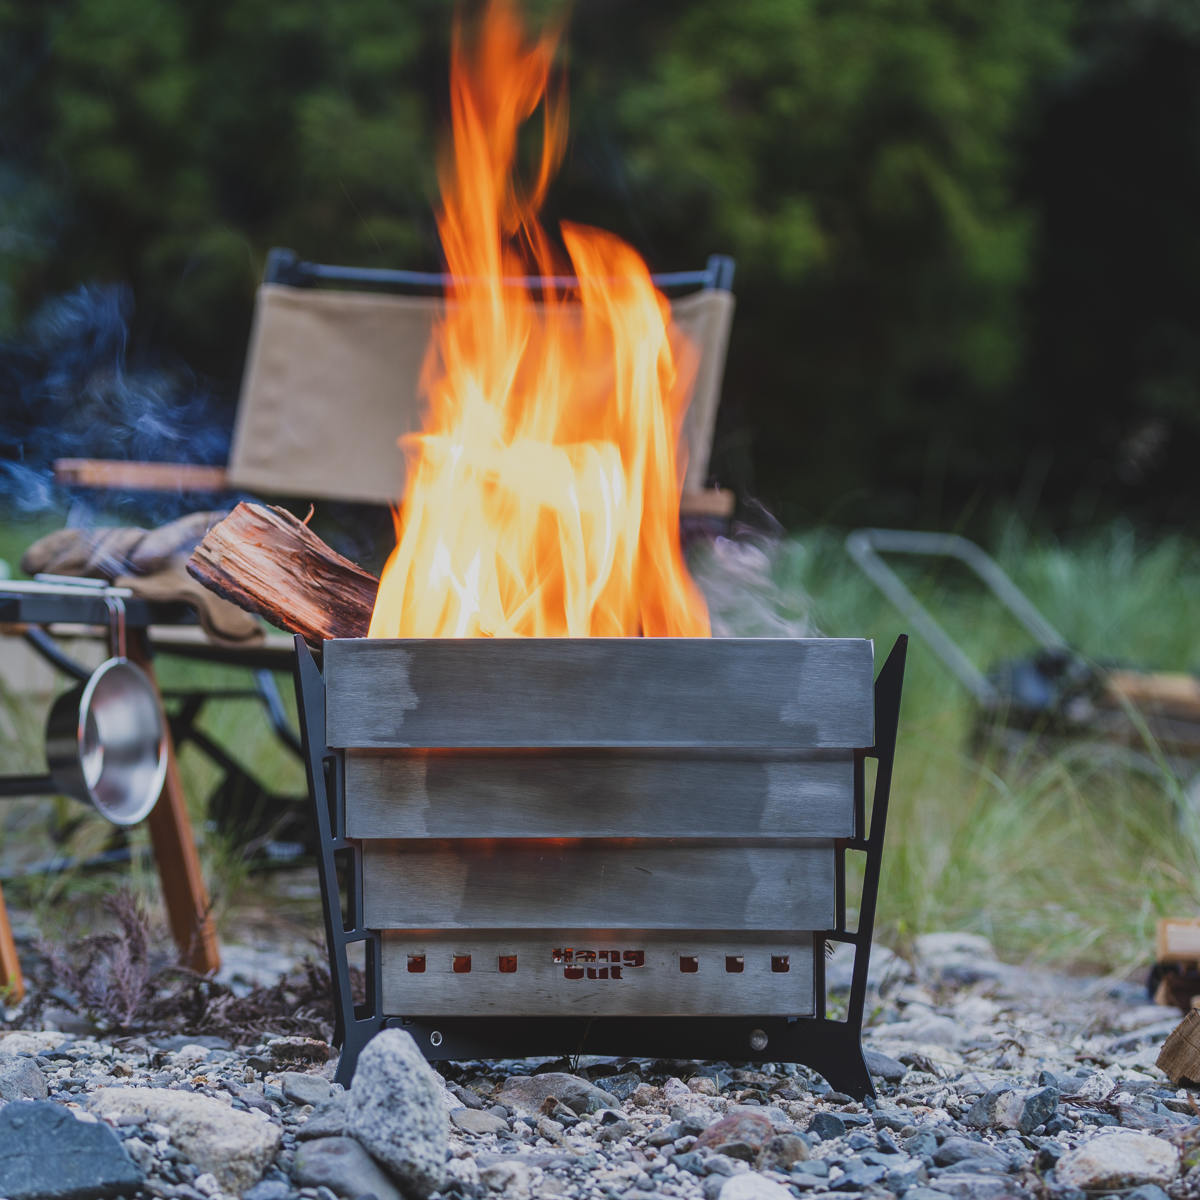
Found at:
[331, 383]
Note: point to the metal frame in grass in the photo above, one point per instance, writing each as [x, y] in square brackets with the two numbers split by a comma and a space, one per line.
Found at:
[831, 1047]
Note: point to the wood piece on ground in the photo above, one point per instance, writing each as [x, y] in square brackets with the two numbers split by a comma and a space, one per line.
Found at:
[185, 896]
[1170, 694]
[1178, 940]
[12, 982]
[269, 562]
[141, 476]
[1179, 1059]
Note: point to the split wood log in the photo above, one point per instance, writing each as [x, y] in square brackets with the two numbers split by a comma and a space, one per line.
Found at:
[1179, 1059]
[268, 562]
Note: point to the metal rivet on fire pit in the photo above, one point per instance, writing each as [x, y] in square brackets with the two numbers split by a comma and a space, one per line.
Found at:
[758, 1040]
[435, 1038]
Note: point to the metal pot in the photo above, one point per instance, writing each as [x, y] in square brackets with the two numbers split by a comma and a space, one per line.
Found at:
[106, 742]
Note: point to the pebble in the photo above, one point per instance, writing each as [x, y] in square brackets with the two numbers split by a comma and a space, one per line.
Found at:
[46, 1153]
[1118, 1160]
[471, 1120]
[990, 1078]
[20, 1079]
[235, 1147]
[342, 1165]
[527, 1094]
[302, 1088]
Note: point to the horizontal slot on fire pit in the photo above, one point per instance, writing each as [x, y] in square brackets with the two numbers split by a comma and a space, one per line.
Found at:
[590, 973]
[811, 693]
[580, 794]
[620, 885]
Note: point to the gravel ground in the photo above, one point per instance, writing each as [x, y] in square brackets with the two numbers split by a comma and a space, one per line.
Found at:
[993, 1081]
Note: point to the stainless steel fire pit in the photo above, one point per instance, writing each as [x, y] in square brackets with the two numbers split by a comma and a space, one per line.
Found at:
[613, 845]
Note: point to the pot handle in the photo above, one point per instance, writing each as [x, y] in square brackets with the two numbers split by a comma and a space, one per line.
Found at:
[116, 624]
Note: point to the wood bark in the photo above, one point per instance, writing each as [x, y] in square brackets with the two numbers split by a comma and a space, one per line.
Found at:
[268, 562]
[1179, 1058]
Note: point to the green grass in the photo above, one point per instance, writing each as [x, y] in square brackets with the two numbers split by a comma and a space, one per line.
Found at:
[1067, 856]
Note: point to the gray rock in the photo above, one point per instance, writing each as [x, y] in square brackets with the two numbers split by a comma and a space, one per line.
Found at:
[48, 1154]
[526, 1094]
[1148, 1191]
[691, 1161]
[302, 1088]
[1119, 1159]
[965, 1186]
[472, 1120]
[827, 1126]
[1011, 1108]
[511, 1178]
[622, 1086]
[329, 1120]
[396, 1111]
[958, 1149]
[235, 1147]
[782, 1152]
[883, 1066]
[750, 1186]
[857, 1177]
[20, 1079]
[900, 1179]
[343, 1166]
[269, 1189]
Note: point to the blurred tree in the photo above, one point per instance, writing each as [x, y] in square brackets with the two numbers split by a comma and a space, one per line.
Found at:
[1114, 373]
[866, 161]
[185, 137]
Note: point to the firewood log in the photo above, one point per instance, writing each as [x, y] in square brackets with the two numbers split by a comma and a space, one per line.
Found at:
[268, 562]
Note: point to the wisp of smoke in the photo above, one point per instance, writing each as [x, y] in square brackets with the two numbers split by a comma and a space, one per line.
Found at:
[72, 389]
[744, 600]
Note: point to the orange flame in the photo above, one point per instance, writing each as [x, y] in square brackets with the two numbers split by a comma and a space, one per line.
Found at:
[543, 493]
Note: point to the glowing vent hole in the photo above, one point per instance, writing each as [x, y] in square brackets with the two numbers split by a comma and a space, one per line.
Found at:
[416, 963]
[689, 964]
[508, 964]
[735, 964]
[462, 964]
[780, 963]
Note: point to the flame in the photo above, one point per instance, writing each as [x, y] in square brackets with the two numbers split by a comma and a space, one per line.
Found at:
[542, 497]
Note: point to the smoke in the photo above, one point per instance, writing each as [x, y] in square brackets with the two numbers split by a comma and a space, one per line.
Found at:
[72, 388]
[744, 598]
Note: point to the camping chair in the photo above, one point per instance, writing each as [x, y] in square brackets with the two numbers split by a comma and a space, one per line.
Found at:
[330, 384]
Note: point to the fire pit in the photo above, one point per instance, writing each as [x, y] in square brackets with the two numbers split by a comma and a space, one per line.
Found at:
[553, 814]
[625, 846]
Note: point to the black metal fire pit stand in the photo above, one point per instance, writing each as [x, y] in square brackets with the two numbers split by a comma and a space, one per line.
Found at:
[831, 1047]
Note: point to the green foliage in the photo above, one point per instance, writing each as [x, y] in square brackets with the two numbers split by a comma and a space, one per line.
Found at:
[1067, 851]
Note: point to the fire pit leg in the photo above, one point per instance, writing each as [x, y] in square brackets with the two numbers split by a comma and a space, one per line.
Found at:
[354, 1024]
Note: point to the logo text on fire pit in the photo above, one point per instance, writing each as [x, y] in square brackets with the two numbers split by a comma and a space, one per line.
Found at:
[597, 964]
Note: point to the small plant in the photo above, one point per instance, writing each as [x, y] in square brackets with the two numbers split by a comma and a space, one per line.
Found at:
[110, 977]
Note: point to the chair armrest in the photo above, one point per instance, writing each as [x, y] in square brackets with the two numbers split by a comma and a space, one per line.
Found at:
[141, 476]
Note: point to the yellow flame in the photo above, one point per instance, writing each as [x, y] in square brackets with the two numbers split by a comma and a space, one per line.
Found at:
[542, 497]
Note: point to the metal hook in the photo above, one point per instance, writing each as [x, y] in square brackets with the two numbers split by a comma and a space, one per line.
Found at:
[116, 624]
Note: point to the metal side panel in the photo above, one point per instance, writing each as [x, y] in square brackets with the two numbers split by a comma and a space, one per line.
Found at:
[702, 693]
[591, 884]
[594, 973]
[476, 794]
